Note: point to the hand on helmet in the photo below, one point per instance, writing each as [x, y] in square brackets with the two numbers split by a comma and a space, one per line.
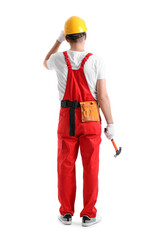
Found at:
[61, 37]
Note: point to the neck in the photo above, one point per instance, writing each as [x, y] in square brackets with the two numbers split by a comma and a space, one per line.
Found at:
[78, 48]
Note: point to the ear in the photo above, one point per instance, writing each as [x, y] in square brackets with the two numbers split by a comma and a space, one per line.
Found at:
[66, 39]
[85, 36]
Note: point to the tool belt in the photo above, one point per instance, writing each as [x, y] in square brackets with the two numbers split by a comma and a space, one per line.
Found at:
[89, 112]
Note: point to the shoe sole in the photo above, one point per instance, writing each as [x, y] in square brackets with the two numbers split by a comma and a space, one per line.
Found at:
[88, 224]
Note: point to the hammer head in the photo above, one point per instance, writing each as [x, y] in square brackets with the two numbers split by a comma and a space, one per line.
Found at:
[118, 152]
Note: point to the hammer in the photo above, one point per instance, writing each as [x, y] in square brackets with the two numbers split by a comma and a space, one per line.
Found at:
[115, 147]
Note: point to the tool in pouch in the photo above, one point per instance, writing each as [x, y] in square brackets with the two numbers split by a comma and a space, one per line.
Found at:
[118, 151]
[89, 111]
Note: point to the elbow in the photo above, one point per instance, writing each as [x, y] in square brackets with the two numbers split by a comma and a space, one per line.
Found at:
[45, 64]
[102, 99]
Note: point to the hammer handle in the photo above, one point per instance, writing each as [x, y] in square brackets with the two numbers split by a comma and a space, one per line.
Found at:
[114, 145]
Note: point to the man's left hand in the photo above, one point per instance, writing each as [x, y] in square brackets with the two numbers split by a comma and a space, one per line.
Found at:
[61, 37]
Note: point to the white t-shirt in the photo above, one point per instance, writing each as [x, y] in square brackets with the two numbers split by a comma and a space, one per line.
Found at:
[94, 69]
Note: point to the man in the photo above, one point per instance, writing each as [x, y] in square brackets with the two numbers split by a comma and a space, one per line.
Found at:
[82, 90]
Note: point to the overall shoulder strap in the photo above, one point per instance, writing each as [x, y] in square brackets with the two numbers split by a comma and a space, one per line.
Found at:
[67, 60]
[85, 59]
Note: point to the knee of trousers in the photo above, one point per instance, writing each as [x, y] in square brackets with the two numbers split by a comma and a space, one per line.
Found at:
[65, 167]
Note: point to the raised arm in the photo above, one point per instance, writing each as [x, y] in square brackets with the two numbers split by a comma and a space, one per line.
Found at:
[55, 47]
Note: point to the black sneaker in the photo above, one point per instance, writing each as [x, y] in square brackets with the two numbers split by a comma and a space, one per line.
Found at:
[86, 221]
[66, 219]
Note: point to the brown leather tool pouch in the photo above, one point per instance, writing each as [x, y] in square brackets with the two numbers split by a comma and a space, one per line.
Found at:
[89, 111]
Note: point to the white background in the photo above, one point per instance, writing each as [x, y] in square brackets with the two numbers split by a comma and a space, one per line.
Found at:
[127, 35]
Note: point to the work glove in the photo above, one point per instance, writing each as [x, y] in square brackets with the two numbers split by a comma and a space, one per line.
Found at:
[61, 37]
[110, 131]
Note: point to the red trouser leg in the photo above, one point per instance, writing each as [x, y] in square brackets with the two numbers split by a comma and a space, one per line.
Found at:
[67, 154]
[89, 147]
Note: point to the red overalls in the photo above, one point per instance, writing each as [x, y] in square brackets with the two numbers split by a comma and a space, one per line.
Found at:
[73, 133]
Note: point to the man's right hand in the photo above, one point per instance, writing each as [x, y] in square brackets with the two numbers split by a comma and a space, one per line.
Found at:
[110, 131]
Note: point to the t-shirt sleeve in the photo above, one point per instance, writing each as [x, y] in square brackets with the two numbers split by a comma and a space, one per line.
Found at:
[51, 61]
[101, 68]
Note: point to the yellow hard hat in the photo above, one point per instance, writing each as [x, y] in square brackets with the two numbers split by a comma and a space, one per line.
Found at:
[74, 25]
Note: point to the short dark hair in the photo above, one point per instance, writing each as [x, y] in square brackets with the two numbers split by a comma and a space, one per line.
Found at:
[76, 37]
